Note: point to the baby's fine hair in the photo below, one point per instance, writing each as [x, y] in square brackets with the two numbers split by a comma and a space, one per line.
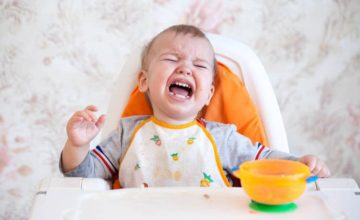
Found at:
[177, 29]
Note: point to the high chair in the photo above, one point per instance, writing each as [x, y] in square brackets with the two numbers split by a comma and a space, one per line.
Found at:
[239, 58]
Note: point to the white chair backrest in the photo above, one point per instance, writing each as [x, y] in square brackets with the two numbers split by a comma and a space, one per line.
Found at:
[241, 60]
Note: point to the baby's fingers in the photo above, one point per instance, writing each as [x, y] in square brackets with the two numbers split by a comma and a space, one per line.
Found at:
[90, 111]
[86, 115]
[75, 121]
[91, 108]
[100, 122]
[83, 114]
[309, 160]
[323, 171]
[91, 115]
[76, 117]
[317, 168]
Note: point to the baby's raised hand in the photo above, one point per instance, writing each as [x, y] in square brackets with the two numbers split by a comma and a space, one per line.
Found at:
[83, 126]
[317, 166]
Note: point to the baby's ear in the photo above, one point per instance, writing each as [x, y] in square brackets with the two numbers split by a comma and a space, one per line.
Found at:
[212, 91]
[142, 81]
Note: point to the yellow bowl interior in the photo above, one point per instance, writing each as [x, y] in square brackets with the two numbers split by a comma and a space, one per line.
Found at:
[273, 181]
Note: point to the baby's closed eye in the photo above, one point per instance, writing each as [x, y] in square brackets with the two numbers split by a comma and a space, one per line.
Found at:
[200, 66]
[171, 60]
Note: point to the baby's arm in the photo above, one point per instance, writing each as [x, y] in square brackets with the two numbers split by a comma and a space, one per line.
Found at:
[82, 127]
[316, 165]
[235, 149]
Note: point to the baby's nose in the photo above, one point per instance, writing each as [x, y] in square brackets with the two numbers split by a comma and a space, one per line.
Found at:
[184, 70]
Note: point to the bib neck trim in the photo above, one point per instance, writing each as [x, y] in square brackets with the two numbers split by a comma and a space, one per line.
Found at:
[171, 126]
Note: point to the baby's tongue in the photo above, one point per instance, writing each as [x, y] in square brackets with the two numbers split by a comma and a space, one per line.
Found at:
[179, 91]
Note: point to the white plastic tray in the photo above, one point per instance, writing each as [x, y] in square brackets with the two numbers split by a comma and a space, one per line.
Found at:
[86, 198]
[189, 203]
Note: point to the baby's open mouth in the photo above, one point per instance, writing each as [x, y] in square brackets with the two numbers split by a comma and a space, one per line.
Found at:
[181, 89]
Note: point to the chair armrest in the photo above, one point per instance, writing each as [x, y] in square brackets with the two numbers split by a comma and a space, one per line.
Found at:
[337, 184]
[74, 183]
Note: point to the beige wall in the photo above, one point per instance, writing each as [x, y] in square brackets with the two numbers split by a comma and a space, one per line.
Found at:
[61, 55]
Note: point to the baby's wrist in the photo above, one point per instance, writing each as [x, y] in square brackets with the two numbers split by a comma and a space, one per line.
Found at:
[71, 144]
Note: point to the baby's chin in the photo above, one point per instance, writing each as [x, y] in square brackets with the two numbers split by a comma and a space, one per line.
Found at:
[176, 116]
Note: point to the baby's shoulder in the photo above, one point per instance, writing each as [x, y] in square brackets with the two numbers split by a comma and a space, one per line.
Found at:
[132, 122]
[219, 128]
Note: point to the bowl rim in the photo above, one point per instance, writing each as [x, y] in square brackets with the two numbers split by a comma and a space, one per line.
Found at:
[302, 175]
